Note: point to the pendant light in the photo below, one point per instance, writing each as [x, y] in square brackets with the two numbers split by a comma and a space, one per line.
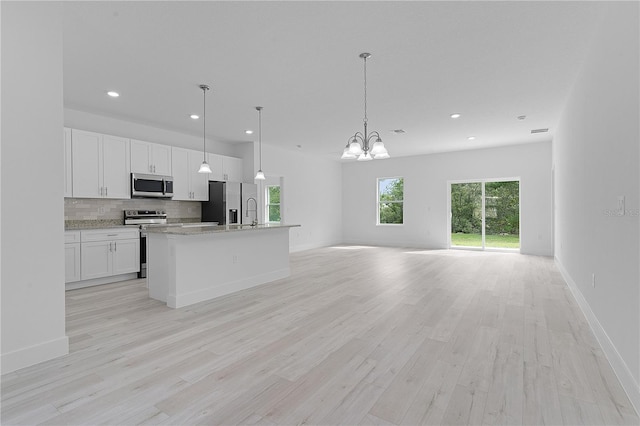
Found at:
[358, 146]
[260, 174]
[204, 167]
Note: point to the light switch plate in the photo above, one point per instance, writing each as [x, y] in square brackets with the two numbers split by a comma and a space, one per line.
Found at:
[621, 205]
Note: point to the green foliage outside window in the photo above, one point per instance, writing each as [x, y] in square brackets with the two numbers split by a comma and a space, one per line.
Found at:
[466, 208]
[273, 203]
[391, 201]
[502, 211]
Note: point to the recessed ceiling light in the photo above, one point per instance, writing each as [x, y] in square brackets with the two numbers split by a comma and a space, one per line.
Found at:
[521, 117]
[194, 116]
[249, 132]
[471, 138]
[455, 115]
[113, 94]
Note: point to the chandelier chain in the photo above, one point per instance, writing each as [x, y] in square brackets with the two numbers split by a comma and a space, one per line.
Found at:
[365, 90]
[204, 88]
[260, 134]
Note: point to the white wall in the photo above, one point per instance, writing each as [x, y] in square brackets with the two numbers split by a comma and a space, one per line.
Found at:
[33, 305]
[595, 154]
[127, 129]
[425, 192]
[311, 192]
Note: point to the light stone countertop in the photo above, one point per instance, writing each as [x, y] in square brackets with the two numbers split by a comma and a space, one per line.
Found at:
[197, 229]
[83, 225]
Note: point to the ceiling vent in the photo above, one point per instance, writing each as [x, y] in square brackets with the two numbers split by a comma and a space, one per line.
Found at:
[398, 131]
[539, 130]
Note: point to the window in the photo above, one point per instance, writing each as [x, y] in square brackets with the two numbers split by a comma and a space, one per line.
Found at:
[390, 201]
[273, 204]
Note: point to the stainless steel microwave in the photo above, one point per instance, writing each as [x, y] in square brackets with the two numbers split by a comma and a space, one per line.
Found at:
[155, 186]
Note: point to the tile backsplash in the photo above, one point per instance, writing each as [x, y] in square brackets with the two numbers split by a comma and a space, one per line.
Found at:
[84, 209]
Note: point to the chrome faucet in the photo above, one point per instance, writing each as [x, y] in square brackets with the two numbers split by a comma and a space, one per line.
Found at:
[255, 221]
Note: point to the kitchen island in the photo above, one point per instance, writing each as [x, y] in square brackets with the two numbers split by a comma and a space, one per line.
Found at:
[193, 263]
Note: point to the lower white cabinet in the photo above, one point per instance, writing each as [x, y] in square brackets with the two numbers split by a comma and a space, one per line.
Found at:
[71, 256]
[126, 256]
[109, 252]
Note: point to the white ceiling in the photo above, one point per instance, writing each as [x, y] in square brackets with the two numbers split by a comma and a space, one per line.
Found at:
[489, 61]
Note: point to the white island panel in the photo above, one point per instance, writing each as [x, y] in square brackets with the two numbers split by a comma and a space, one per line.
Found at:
[187, 268]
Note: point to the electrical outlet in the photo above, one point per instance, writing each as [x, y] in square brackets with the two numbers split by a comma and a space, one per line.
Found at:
[101, 210]
[235, 259]
[593, 280]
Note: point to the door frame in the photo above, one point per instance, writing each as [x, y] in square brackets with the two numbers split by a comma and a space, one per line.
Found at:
[482, 182]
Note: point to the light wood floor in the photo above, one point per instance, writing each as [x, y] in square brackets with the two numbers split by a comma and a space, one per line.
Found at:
[356, 335]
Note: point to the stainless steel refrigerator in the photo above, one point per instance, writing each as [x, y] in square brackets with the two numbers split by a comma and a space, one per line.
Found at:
[229, 203]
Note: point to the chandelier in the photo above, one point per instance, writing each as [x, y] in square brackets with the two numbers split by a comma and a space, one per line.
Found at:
[359, 145]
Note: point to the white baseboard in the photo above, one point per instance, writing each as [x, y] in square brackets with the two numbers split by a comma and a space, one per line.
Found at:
[620, 368]
[25, 357]
[99, 281]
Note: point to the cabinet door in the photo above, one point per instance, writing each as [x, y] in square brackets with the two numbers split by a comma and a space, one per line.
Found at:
[68, 175]
[126, 256]
[199, 181]
[233, 169]
[140, 154]
[95, 259]
[86, 164]
[161, 159]
[180, 167]
[72, 262]
[117, 167]
[215, 161]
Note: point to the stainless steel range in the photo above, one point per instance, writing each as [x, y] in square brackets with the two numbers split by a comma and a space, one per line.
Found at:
[142, 218]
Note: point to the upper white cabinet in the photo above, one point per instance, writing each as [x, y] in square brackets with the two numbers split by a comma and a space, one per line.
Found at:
[232, 168]
[215, 161]
[223, 168]
[68, 175]
[188, 184]
[100, 165]
[150, 158]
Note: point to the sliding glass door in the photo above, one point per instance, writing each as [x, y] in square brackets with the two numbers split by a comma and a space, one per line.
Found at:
[485, 214]
[466, 214]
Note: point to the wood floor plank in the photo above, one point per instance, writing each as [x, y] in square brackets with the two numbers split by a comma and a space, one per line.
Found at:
[505, 397]
[466, 407]
[408, 337]
[541, 399]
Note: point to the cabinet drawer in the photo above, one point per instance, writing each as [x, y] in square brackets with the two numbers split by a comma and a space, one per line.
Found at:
[71, 237]
[109, 234]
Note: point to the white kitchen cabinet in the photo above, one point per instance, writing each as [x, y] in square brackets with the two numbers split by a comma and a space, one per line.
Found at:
[223, 168]
[108, 252]
[96, 259]
[101, 165]
[216, 161]
[188, 184]
[150, 158]
[72, 256]
[68, 176]
[232, 169]
[126, 256]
